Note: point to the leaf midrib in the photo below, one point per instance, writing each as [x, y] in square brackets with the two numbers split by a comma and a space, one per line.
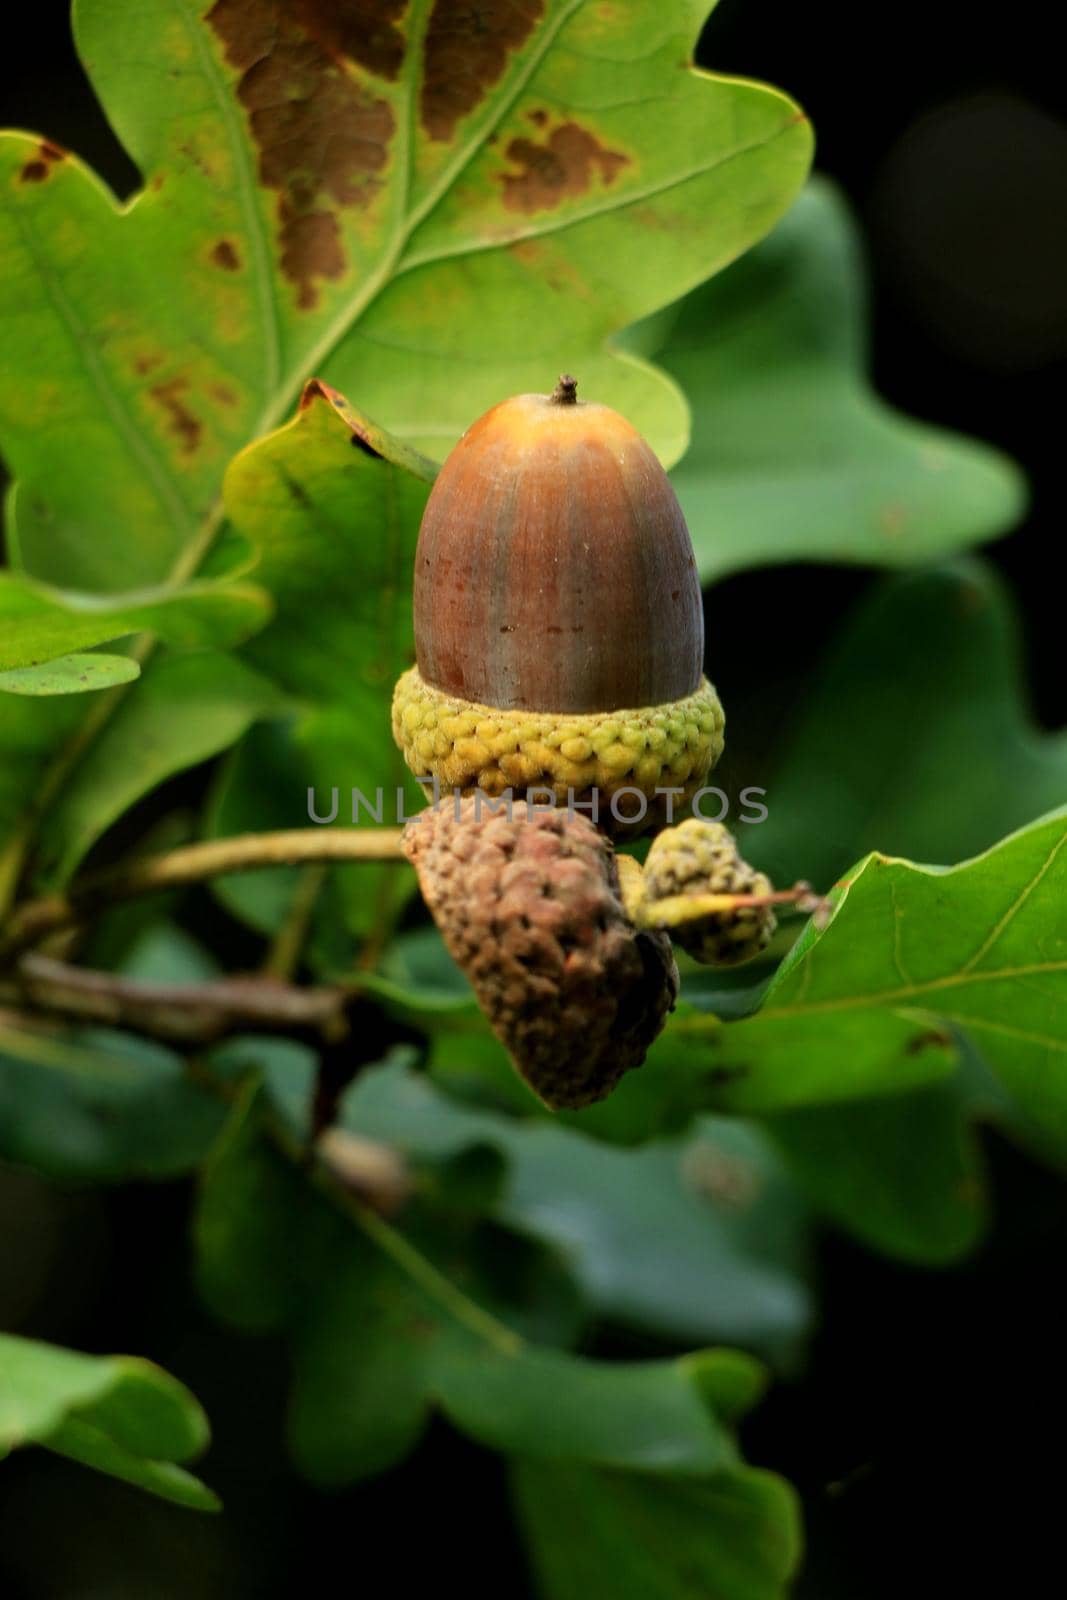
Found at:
[156, 472]
[390, 262]
[890, 997]
[313, 359]
[969, 973]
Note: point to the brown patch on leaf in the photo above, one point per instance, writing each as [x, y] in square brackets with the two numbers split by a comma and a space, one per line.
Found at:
[296, 491]
[37, 170]
[321, 136]
[468, 43]
[223, 394]
[183, 425]
[893, 519]
[721, 1077]
[538, 118]
[225, 256]
[311, 248]
[557, 170]
[932, 1039]
[364, 30]
[144, 364]
[361, 442]
[316, 389]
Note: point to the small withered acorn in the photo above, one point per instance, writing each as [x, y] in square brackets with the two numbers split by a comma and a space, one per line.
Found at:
[558, 623]
[694, 862]
[530, 908]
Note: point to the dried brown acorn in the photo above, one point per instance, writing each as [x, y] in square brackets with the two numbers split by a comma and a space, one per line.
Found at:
[558, 623]
[530, 908]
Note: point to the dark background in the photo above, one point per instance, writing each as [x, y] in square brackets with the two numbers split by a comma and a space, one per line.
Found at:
[920, 1436]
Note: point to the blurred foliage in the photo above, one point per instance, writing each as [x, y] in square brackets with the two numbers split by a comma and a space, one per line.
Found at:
[119, 1414]
[431, 243]
[811, 467]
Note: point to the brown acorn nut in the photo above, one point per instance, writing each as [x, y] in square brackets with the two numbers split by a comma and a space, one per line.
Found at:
[558, 622]
[530, 909]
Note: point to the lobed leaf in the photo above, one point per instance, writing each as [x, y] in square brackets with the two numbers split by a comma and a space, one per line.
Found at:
[792, 456]
[698, 1239]
[487, 226]
[981, 947]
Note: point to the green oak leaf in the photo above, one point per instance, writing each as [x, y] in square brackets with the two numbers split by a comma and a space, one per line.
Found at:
[904, 1173]
[333, 504]
[697, 1239]
[724, 1252]
[793, 457]
[77, 674]
[699, 1063]
[734, 1536]
[981, 947]
[874, 758]
[119, 1414]
[385, 1323]
[485, 225]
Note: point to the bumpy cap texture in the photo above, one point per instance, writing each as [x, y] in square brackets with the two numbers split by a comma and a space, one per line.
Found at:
[699, 858]
[606, 754]
[530, 909]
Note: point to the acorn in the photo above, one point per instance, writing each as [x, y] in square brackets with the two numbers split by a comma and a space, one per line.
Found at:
[530, 907]
[688, 866]
[559, 631]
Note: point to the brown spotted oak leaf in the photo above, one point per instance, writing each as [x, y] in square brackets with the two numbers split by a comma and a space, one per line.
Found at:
[429, 203]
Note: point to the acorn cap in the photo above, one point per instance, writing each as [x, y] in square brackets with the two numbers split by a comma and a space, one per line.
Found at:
[530, 909]
[604, 760]
[554, 570]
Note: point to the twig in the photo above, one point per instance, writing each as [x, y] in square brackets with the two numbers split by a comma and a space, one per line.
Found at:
[347, 1029]
[194, 863]
[283, 957]
[190, 1014]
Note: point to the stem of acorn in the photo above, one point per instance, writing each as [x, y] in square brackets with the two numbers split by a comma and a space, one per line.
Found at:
[566, 391]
